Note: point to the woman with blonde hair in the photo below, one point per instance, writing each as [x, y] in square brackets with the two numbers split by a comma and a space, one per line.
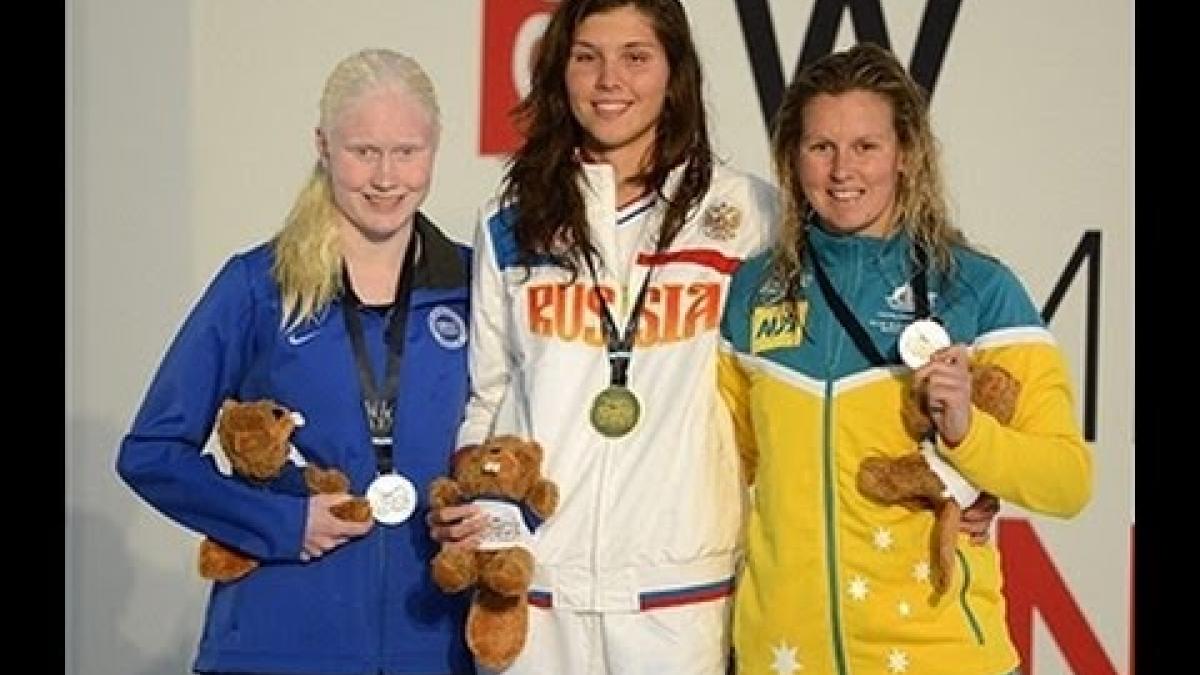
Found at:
[354, 317]
[871, 296]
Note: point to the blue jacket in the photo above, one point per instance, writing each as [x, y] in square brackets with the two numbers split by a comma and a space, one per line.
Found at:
[368, 606]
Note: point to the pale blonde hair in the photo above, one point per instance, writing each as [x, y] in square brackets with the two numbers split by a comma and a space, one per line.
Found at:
[308, 260]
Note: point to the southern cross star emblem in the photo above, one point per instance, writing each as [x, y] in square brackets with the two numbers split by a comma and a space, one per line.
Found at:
[785, 660]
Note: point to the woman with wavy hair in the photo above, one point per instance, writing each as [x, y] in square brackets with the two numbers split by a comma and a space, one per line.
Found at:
[870, 298]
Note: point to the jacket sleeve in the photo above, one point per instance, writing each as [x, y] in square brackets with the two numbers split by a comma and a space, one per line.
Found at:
[734, 383]
[1040, 460]
[491, 361]
[160, 458]
[735, 391]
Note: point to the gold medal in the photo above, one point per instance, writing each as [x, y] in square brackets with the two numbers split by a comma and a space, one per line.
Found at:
[615, 411]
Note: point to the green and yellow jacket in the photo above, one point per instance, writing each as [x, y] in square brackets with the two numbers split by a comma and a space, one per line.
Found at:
[835, 583]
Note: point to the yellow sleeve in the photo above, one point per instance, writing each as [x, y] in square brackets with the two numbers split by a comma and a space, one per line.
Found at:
[1040, 461]
[735, 390]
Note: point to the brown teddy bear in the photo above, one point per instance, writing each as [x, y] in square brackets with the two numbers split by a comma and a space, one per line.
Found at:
[500, 475]
[908, 480]
[254, 436]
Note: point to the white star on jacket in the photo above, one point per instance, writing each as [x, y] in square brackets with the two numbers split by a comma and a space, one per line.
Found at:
[785, 662]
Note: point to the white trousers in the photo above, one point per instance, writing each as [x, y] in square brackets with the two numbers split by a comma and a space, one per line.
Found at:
[691, 639]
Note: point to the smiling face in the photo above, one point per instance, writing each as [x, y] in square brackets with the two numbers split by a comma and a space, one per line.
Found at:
[616, 79]
[379, 152]
[848, 162]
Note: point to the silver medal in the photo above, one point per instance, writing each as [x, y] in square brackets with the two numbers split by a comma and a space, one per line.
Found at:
[919, 340]
[393, 498]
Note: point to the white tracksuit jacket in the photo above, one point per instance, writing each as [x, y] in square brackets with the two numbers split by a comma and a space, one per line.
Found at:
[651, 519]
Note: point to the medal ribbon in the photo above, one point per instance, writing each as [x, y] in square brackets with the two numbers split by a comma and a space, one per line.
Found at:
[379, 404]
[920, 285]
[866, 346]
[618, 343]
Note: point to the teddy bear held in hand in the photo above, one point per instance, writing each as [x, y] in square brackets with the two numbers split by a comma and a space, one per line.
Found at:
[254, 436]
[909, 480]
[500, 475]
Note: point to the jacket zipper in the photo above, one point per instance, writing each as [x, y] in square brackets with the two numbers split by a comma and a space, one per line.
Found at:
[827, 466]
[837, 341]
[962, 597]
[835, 604]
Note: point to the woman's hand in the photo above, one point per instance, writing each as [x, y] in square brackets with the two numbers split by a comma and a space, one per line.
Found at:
[459, 526]
[324, 531]
[946, 381]
[977, 518]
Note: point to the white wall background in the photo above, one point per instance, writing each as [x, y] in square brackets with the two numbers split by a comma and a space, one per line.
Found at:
[189, 128]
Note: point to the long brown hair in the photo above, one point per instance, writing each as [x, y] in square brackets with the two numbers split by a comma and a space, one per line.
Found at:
[920, 200]
[551, 220]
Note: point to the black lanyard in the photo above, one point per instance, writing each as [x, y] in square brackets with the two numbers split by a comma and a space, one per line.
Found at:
[618, 344]
[920, 284]
[846, 317]
[379, 404]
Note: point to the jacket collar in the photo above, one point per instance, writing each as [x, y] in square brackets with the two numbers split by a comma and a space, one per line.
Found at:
[594, 175]
[440, 265]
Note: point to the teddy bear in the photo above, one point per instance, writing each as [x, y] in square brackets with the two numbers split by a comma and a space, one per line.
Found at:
[909, 480]
[254, 436]
[501, 475]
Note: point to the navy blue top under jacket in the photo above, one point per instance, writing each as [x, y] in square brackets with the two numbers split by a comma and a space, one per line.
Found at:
[368, 606]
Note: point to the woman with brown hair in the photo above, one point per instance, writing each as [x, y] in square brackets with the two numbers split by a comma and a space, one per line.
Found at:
[600, 276]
